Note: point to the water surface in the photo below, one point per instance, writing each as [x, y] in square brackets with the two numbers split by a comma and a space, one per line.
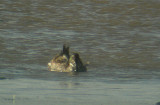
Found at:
[120, 39]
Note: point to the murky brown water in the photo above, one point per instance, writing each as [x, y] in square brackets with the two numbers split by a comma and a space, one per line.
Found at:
[120, 38]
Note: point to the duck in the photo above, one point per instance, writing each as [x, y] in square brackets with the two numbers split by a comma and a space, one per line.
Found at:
[64, 62]
[158, 103]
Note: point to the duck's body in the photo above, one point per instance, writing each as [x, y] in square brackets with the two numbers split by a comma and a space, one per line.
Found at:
[63, 62]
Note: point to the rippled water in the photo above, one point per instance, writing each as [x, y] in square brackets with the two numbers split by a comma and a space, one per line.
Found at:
[120, 39]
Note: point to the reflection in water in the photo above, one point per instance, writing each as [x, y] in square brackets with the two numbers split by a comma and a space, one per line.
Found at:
[32, 91]
[70, 84]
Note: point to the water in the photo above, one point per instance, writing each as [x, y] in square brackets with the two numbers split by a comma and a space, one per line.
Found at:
[120, 39]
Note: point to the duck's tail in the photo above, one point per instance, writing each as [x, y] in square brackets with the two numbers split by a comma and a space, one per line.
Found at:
[65, 51]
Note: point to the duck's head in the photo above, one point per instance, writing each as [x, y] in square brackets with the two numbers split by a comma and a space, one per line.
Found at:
[76, 63]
